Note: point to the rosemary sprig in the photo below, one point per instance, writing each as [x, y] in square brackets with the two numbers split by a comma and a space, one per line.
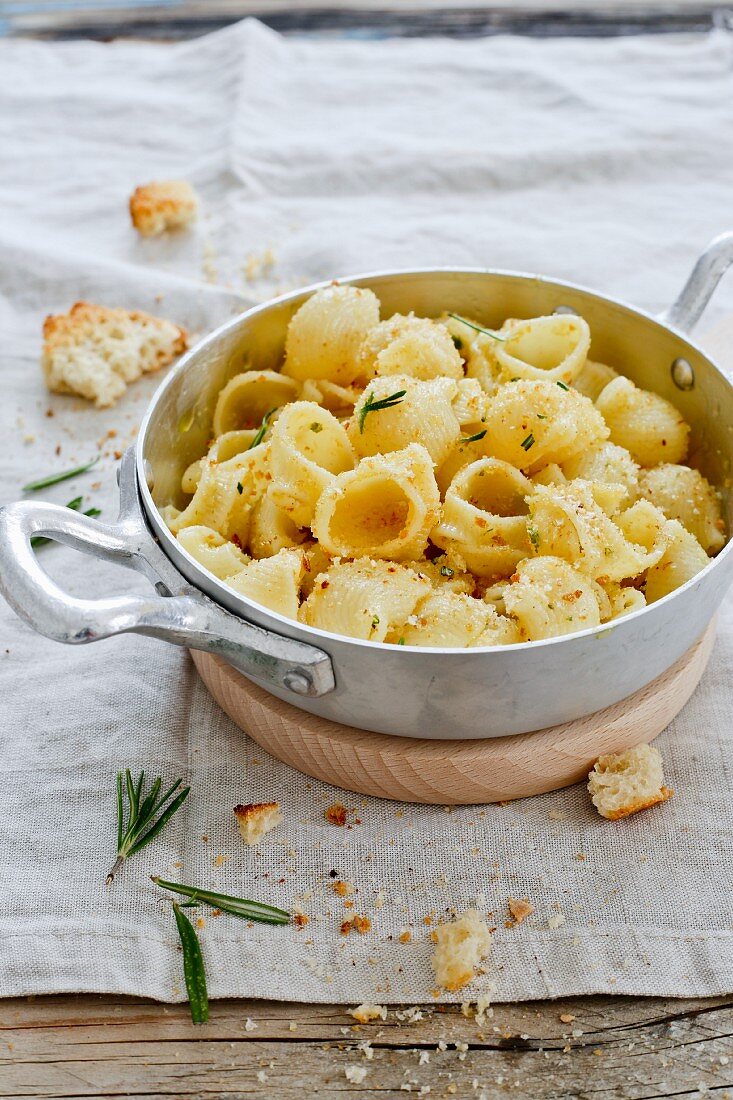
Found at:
[145, 816]
[75, 505]
[562, 385]
[371, 406]
[478, 328]
[474, 438]
[238, 907]
[54, 479]
[193, 967]
[262, 429]
[528, 442]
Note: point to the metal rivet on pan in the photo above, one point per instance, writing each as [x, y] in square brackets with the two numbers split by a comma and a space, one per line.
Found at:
[683, 375]
[565, 309]
[296, 682]
[149, 475]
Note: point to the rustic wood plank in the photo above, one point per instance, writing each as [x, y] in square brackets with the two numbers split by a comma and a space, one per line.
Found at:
[614, 1049]
[375, 18]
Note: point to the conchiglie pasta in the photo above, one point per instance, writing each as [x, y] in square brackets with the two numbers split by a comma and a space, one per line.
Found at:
[247, 399]
[593, 378]
[650, 428]
[439, 483]
[605, 462]
[685, 495]
[569, 522]
[385, 508]
[273, 582]
[483, 523]
[548, 597]
[553, 348]
[325, 335]
[682, 560]
[531, 424]
[448, 619]
[226, 493]
[363, 599]
[423, 414]
[414, 346]
[221, 558]
[271, 529]
[308, 447]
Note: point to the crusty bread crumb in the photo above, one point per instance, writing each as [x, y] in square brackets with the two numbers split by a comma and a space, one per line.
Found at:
[365, 1013]
[624, 783]
[460, 945]
[256, 819]
[96, 352]
[161, 205]
[520, 909]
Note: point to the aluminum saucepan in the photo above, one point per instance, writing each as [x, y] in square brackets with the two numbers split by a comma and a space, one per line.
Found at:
[414, 692]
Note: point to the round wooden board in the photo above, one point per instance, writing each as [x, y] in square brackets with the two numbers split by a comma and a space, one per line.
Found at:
[451, 772]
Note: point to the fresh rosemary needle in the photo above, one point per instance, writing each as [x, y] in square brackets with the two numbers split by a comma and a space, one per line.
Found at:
[54, 479]
[146, 816]
[261, 430]
[478, 328]
[371, 406]
[238, 907]
[474, 438]
[193, 967]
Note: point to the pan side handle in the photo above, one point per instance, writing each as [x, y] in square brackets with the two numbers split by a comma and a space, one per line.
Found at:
[687, 309]
[186, 618]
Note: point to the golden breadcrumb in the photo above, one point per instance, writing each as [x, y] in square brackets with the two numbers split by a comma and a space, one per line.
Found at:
[624, 783]
[256, 819]
[162, 205]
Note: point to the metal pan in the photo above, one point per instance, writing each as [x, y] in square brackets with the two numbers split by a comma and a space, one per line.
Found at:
[442, 693]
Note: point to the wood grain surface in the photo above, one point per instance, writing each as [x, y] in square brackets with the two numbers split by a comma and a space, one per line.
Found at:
[172, 19]
[614, 1048]
[452, 772]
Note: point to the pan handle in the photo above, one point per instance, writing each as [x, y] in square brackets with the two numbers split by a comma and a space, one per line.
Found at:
[686, 311]
[179, 613]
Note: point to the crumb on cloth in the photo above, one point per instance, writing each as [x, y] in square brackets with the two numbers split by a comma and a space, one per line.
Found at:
[624, 783]
[257, 818]
[161, 205]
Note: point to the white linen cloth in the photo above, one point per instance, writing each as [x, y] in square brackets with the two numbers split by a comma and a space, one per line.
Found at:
[604, 162]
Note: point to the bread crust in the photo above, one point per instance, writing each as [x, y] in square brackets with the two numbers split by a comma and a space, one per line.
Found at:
[162, 205]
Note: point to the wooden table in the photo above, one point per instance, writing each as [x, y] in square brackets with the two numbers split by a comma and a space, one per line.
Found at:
[614, 1048]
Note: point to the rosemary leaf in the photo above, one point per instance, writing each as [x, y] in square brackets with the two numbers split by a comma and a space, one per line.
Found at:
[371, 406]
[238, 907]
[562, 385]
[474, 438]
[262, 429]
[144, 817]
[54, 479]
[478, 328]
[193, 967]
[528, 442]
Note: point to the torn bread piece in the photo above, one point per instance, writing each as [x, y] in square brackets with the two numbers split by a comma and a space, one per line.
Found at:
[365, 1013]
[162, 205]
[460, 945]
[256, 819]
[624, 783]
[96, 352]
[520, 909]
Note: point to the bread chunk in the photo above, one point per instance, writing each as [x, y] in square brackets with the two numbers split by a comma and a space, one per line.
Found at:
[460, 945]
[96, 352]
[162, 205]
[256, 819]
[624, 783]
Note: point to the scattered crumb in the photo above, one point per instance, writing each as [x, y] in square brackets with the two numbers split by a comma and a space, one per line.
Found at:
[162, 205]
[624, 783]
[460, 946]
[95, 352]
[365, 1013]
[343, 889]
[258, 264]
[355, 1074]
[406, 936]
[520, 909]
[292, 1026]
[257, 818]
[566, 1017]
[200, 922]
[336, 814]
[300, 920]
[423, 1057]
[362, 925]
[556, 920]
[557, 815]
[249, 1024]
[261, 1076]
[220, 860]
